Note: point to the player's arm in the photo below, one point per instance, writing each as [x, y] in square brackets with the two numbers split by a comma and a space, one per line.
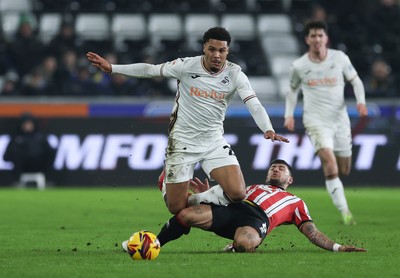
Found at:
[139, 70]
[256, 109]
[291, 99]
[358, 87]
[321, 240]
[359, 92]
[290, 104]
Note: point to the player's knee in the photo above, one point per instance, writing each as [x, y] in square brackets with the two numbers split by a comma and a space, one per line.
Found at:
[175, 208]
[246, 240]
[184, 217]
[236, 195]
[243, 245]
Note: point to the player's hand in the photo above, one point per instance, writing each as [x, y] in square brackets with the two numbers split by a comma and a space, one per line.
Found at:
[197, 186]
[362, 110]
[345, 248]
[289, 123]
[275, 137]
[99, 62]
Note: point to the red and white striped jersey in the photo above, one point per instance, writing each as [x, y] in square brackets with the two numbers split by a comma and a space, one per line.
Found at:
[280, 206]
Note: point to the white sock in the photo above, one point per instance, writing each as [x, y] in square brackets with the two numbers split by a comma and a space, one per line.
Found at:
[164, 189]
[336, 190]
[214, 195]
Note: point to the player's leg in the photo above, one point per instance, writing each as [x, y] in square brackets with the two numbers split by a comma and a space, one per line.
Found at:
[343, 153]
[344, 164]
[324, 141]
[246, 239]
[221, 165]
[176, 196]
[179, 169]
[230, 178]
[197, 216]
[333, 183]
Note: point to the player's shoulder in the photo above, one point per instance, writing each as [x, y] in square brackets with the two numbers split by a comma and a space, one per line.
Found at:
[187, 61]
[300, 61]
[232, 65]
[336, 54]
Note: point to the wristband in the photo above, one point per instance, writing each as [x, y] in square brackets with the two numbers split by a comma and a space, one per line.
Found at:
[335, 247]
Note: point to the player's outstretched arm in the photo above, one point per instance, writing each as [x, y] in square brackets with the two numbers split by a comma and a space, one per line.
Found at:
[99, 62]
[275, 137]
[321, 240]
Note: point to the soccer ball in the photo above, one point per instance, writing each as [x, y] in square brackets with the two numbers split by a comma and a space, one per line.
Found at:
[143, 245]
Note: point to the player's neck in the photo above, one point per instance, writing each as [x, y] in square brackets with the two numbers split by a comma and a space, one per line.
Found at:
[318, 57]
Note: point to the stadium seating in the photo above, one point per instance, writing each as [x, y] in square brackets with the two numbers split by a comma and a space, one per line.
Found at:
[166, 30]
[127, 28]
[280, 44]
[263, 31]
[93, 31]
[49, 26]
[194, 27]
[15, 6]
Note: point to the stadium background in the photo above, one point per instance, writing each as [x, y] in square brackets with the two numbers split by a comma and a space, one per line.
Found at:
[107, 135]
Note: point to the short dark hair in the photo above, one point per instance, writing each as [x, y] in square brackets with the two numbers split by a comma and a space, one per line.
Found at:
[217, 33]
[281, 161]
[315, 25]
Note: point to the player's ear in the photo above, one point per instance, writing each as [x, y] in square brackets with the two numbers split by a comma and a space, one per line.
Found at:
[204, 48]
[290, 180]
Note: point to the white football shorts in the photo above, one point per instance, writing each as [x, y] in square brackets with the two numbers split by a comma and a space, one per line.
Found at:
[336, 137]
[182, 158]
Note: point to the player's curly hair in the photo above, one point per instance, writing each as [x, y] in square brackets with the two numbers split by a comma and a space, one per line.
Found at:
[217, 33]
[315, 25]
[281, 161]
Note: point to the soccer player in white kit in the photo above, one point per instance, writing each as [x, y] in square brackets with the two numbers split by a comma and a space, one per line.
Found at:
[206, 84]
[321, 74]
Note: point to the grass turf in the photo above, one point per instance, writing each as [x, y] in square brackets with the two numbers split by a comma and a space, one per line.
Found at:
[77, 233]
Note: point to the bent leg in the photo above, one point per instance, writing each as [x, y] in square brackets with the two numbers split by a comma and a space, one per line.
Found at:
[333, 183]
[176, 196]
[344, 164]
[246, 239]
[230, 178]
[329, 164]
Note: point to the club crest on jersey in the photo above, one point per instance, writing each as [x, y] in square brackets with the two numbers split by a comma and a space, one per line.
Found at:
[225, 81]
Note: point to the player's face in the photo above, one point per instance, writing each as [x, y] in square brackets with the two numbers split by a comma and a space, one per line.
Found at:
[317, 40]
[215, 53]
[279, 175]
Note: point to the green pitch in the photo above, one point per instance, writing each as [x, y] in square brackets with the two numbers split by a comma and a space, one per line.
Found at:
[77, 233]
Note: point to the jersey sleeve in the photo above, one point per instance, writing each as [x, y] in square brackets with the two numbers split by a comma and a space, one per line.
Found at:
[173, 68]
[301, 214]
[252, 103]
[292, 93]
[294, 78]
[243, 87]
[348, 69]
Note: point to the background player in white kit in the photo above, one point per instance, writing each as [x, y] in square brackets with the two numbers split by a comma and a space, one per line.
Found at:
[206, 84]
[321, 74]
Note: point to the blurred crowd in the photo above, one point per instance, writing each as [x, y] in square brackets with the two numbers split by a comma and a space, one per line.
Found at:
[368, 31]
[31, 67]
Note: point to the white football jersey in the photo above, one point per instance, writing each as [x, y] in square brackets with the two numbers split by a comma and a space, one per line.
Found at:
[202, 98]
[322, 86]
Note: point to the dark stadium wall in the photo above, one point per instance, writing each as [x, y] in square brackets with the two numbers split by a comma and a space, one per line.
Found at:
[129, 151]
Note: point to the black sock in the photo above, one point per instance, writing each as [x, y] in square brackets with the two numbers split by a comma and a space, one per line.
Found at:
[172, 230]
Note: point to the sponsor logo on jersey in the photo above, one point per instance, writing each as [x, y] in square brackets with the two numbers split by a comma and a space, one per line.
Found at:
[326, 81]
[196, 92]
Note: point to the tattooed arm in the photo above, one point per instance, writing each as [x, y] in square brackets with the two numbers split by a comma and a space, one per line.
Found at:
[321, 240]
